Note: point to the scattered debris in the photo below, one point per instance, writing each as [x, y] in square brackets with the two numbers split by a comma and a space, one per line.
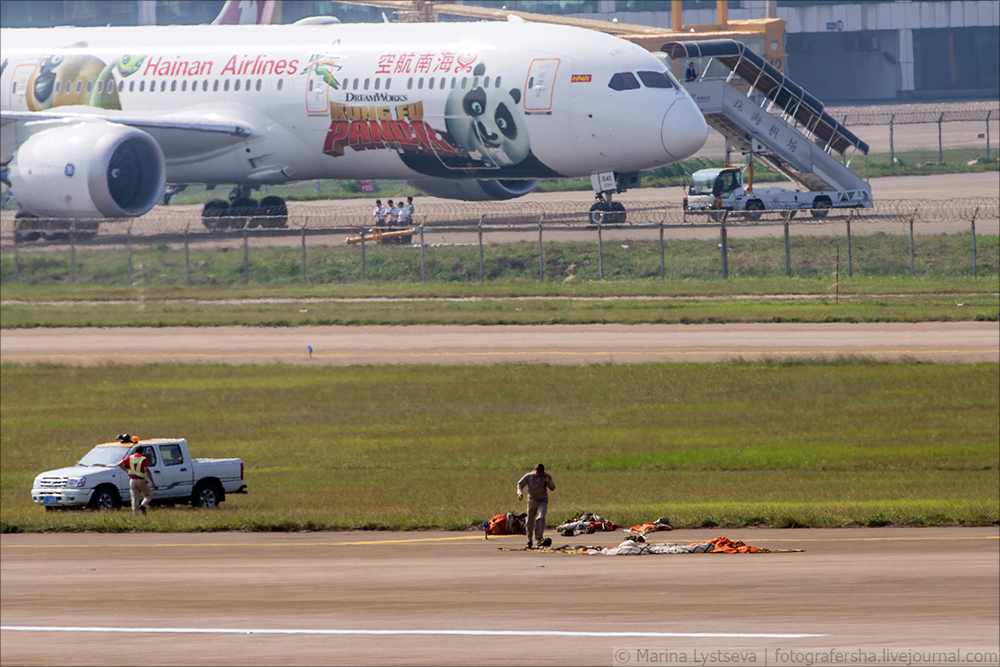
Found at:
[585, 522]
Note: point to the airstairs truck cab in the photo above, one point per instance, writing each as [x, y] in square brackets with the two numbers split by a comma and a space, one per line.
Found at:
[96, 480]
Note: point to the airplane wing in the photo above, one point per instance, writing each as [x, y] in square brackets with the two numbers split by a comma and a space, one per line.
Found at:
[179, 136]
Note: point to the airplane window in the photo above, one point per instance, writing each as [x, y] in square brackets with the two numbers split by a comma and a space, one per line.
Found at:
[13, 87]
[409, 84]
[163, 85]
[475, 82]
[204, 85]
[236, 86]
[623, 81]
[90, 86]
[131, 86]
[142, 86]
[310, 85]
[357, 82]
[465, 80]
[378, 82]
[110, 87]
[152, 86]
[225, 85]
[531, 82]
[453, 82]
[486, 82]
[173, 86]
[655, 80]
[258, 84]
[498, 82]
[366, 83]
[215, 87]
[420, 83]
[248, 85]
[388, 81]
[79, 85]
[184, 86]
[430, 83]
[279, 83]
[58, 87]
[441, 84]
[121, 86]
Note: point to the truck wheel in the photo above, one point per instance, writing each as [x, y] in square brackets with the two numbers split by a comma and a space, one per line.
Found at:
[207, 495]
[105, 498]
[753, 209]
[821, 206]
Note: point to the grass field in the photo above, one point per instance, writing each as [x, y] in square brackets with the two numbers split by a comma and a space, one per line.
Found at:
[781, 444]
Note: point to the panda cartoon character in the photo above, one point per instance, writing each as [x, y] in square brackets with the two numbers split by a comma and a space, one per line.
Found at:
[488, 124]
[63, 79]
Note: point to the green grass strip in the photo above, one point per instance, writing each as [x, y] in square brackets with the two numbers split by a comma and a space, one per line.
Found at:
[732, 444]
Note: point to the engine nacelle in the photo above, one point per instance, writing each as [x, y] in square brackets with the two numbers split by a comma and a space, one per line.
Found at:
[90, 169]
[474, 190]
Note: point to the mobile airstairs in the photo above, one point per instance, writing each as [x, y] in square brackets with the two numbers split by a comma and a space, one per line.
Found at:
[775, 122]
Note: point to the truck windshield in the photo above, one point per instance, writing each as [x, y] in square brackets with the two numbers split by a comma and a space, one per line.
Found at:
[702, 182]
[104, 456]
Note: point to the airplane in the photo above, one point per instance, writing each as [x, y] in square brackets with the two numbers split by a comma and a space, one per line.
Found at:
[95, 121]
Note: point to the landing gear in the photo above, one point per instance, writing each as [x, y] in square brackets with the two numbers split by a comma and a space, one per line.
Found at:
[241, 211]
[171, 191]
[29, 227]
[607, 212]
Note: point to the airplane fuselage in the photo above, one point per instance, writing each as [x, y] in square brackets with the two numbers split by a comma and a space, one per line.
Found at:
[349, 101]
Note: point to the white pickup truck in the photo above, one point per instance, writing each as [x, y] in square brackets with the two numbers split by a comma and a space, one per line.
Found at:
[97, 481]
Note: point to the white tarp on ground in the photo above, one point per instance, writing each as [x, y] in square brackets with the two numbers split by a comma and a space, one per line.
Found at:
[633, 548]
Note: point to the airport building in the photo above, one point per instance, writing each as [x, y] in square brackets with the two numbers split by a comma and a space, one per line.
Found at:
[839, 51]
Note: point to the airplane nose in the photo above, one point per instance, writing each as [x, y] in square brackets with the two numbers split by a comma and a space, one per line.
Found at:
[684, 130]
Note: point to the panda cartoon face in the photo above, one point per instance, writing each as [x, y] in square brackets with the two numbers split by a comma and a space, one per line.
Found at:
[487, 121]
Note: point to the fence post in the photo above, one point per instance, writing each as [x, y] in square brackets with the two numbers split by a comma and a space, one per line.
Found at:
[16, 272]
[304, 223]
[422, 276]
[788, 249]
[912, 271]
[988, 133]
[128, 243]
[725, 254]
[363, 251]
[850, 262]
[600, 246]
[72, 251]
[541, 260]
[974, 213]
[481, 271]
[892, 148]
[940, 147]
[663, 263]
[246, 257]
[187, 256]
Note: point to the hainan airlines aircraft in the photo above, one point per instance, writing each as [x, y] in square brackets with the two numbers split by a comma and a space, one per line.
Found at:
[95, 121]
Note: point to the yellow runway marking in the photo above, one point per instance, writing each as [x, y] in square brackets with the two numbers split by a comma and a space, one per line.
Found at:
[451, 539]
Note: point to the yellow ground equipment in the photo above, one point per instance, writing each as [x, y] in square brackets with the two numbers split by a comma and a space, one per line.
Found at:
[377, 235]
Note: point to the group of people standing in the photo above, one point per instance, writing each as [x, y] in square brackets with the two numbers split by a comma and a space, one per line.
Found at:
[393, 215]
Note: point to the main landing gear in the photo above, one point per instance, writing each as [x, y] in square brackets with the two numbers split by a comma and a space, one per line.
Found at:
[607, 212]
[244, 212]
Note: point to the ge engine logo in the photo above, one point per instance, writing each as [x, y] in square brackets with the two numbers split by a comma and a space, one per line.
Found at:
[69, 170]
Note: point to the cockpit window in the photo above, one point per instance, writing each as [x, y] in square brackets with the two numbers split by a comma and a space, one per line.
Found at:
[623, 81]
[655, 80]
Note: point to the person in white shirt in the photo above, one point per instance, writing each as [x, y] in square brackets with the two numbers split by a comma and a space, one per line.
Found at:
[393, 214]
[379, 213]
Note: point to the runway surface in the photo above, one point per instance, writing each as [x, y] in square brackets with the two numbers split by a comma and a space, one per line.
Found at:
[454, 598]
[452, 345]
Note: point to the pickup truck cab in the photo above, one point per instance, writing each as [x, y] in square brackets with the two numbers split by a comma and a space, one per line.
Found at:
[96, 480]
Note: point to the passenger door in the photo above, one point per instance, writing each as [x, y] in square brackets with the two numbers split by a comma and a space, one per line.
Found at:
[539, 87]
[173, 474]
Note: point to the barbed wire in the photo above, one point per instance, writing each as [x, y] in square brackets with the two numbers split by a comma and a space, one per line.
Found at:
[910, 114]
[512, 215]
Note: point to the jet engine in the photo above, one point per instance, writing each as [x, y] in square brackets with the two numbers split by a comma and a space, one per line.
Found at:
[91, 169]
[474, 190]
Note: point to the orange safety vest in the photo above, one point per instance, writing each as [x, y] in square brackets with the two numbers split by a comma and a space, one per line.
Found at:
[135, 462]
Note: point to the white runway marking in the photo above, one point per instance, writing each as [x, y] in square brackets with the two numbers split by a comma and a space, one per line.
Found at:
[463, 633]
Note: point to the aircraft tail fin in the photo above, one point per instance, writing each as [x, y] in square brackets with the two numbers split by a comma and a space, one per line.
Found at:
[236, 12]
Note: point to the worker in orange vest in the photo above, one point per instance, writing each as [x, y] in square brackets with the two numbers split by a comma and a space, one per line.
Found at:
[140, 479]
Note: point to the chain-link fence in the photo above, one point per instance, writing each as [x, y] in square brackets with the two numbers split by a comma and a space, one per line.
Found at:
[483, 241]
